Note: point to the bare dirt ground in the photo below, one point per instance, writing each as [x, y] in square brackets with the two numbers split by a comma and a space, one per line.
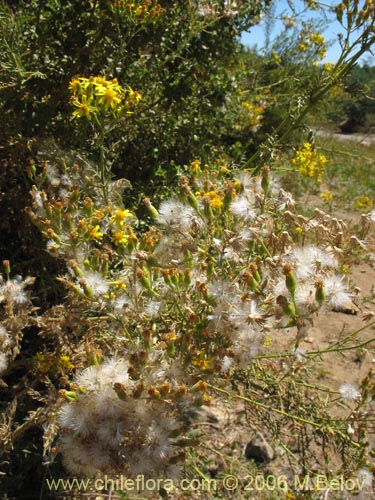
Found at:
[367, 139]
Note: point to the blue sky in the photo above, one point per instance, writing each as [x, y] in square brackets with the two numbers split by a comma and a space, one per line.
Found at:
[331, 28]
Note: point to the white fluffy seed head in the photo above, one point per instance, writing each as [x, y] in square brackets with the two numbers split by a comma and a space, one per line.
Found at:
[349, 392]
[174, 213]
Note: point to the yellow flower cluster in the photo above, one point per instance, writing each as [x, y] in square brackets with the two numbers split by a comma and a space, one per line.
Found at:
[309, 163]
[119, 217]
[276, 57]
[96, 95]
[329, 67]
[50, 362]
[317, 39]
[123, 234]
[319, 43]
[364, 203]
[316, 42]
[254, 113]
[216, 199]
[326, 195]
[147, 9]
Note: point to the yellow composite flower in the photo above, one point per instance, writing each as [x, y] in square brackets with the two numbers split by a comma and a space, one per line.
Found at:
[134, 95]
[96, 94]
[75, 86]
[95, 233]
[119, 217]
[120, 238]
[65, 362]
[202, 362]
[216, 203]
[364, 203]
[317, 39]
[309, 163]
[195, 167]
[42, 362]
[84, 108]
[109, 98]
[326, 195]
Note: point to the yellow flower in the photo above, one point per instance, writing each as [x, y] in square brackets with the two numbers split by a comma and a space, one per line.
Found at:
[119, 238]
[216, 203]
[100, 80]
[364, 203]
[212, 194]
[75, 86]
[94, 233]
[329, 67]
[119, 217]
[119, 285]
[195, 167]
[110, 99]
[326, 195]
[133, 96]
[309, 163]
[65, 362]
[97, 94]
[254, 113]
[202, 362]
[84, 108]
[317, 39]
[276, 57]
[289, 496]
[267, 341]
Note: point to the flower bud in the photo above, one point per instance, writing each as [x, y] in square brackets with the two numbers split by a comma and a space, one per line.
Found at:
[287, 307]
[265, 182]
[151, 209]
[120, 391]
[320, 294]
[6, 265]
[153, 392]
[290, 279]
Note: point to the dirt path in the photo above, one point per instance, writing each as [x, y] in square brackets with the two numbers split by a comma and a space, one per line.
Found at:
[367, 139]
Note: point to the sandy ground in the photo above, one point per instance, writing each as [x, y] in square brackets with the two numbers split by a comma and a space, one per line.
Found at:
[367, 139]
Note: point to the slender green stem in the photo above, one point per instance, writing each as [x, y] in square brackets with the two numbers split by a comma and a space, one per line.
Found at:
[295, 458]
[316, 425]
[266, 407]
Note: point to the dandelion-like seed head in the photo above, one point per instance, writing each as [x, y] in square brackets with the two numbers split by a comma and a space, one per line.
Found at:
[243, 208]
[106, 429]
[349, 392]
[174, 213]
[95, 281]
